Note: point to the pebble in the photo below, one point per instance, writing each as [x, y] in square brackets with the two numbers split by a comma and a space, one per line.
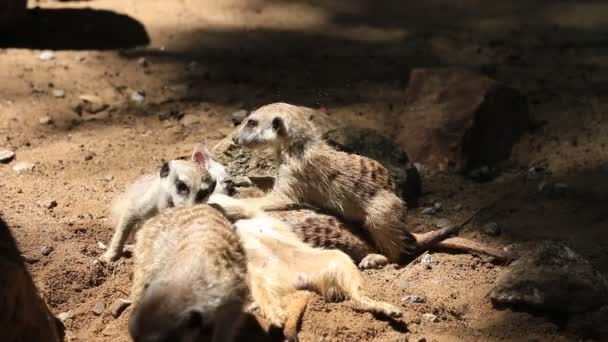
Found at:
[142, 62]
[491, 228]
[239, 116]
[429, 211]
[443, 223]
[46, 55]
[414, 299]
[118, 307]
[6, 156]
[21, 167]
[426, 261]
[64, 316]
[46, 250]
[137, 97]
[98, 309]
[58, 93]
[101, 245]
[190, 119]
[45, 120]
[89, 156]
[108, 178]
[51, 204]
[428, 317]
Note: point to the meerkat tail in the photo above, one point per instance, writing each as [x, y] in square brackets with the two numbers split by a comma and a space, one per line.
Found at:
[470, 246]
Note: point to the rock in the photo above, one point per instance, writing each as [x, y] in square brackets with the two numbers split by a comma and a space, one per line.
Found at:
[372, 144]
[46, 56]
[46, 250]
[428, 317]
[552, 278]
[101, 245]
[22, 167]
[458, 117]
[108, 178]
[491, 228]
[240, 161]
[239, 116]
[142, 62]
[426, 261]
[45, 120]
[414, 299]
[90, 104]
[6, 156]
[137, 97]
[98, 309]
[89, 156]
[118, 307]
[189, 120]
[51, 204]
[58, 93]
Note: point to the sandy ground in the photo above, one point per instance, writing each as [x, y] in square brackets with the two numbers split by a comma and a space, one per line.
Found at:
[211, 58]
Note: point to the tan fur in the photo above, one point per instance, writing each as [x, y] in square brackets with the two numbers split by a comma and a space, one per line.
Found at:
[357, 189]
[279, 264]
[188, 261]
[153, 192]
[24, 316]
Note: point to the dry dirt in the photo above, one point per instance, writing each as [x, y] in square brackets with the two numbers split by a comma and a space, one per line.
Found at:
[210, 58]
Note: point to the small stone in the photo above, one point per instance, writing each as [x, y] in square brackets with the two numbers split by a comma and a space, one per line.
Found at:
[108, 178]
[137, 97]
[46, 250]
[64, 316]
[98, 309]
[118, 307]
[142, 62]
[46, 55]
[21, 167]
[491, 228]
[6, 156]
[443, 223]
[189, 120]
[51, 204]
[45, 120]
[429, 211]
[101, 245]
[58, 93]
[89, 156]
[414, 299]
[239, 116]
[426, 261]
[91, 104]
[428, 317]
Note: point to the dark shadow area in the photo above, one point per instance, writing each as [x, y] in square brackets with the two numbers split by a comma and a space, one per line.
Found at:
[76, 29]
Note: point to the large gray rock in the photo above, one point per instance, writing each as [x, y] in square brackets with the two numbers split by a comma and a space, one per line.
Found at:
[551, 278]
[370, 143]
[261, 166]
[460, 119]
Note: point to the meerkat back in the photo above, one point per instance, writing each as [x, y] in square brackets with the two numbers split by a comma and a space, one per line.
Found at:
[189, 276]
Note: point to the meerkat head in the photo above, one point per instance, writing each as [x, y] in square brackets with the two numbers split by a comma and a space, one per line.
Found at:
[163, 316]
[188, 182]
[276, 124]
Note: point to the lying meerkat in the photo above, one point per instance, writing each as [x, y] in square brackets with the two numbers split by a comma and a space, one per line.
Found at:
[24, 316]
[189, 274]
[180, 183]
[356, 189]
[279, 264]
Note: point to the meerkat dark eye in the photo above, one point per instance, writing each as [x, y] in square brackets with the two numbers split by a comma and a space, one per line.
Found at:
[230, 187]
[164, 170]
[251, 123]
[278, 126]
[182, 188]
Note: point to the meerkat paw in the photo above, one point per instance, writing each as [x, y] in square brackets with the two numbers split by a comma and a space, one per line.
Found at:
[108, 257]
[276, 317]
[373, 261]
[389, 310]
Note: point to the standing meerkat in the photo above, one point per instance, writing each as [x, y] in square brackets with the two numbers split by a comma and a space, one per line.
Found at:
[189, 274]
[180, 183]
[357, 189]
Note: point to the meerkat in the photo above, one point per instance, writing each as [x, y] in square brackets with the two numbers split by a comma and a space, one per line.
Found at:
[180, 183]
[356, 189]
[189, 275]
[279, 264]
[24, 316]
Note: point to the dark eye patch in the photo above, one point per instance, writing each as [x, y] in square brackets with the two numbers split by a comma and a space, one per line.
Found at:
[204, 193]
[182, 188]
[251, 123]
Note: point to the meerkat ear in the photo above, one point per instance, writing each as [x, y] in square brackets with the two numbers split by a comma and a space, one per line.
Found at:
[201, 155]
[278, 125]
[164, 170]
